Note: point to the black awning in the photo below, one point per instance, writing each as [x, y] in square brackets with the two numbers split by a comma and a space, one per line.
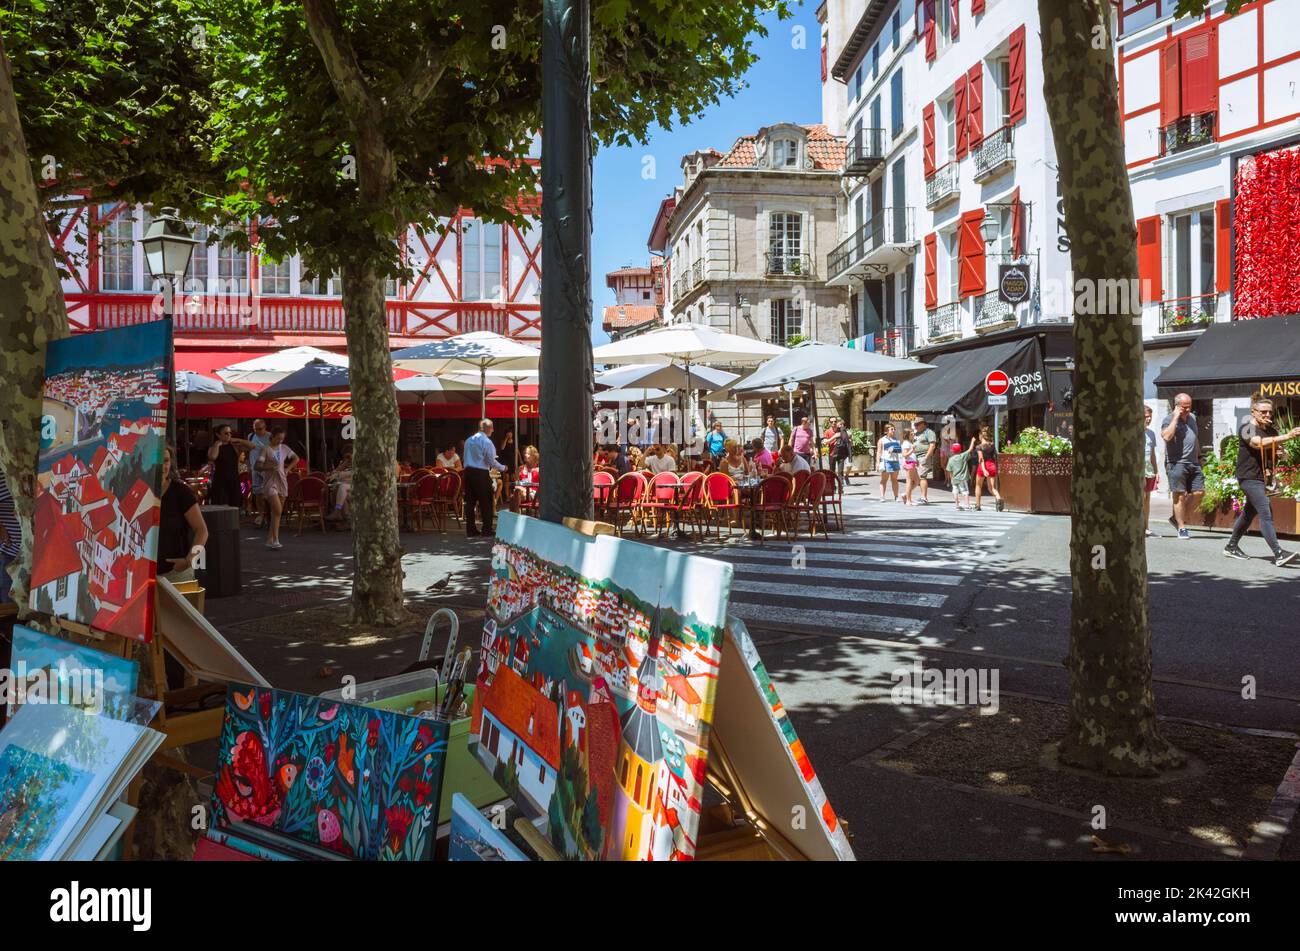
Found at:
[1236, 359]
[956, 385]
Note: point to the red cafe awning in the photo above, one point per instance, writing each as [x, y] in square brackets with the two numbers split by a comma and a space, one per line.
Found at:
[337, 407]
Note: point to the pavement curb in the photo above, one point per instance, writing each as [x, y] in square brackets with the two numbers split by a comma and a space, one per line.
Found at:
[1265, 845]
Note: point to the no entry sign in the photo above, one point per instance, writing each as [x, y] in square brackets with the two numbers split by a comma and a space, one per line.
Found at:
[997, 383]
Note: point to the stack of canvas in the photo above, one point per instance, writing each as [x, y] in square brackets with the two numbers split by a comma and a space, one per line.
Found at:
[309, 777]
[61, 771]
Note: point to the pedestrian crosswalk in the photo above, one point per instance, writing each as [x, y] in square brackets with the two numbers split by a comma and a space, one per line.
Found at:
[887, 575]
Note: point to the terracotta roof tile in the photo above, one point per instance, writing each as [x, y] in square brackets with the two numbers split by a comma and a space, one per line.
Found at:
[514, 702]
[826, 150]
[620, 316]
[55, 553]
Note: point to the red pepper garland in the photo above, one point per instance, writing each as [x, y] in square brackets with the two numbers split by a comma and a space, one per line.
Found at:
[1266, 225]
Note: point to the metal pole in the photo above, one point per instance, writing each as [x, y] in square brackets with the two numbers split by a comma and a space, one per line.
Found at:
[424, 452]
[482, 389]
[566, 378]
[516, 429]
[324, 450]
[997, 443]
[306, 420]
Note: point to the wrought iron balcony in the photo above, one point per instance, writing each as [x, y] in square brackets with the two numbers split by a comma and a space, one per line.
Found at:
[1184, 314]
[941, 185]
[1187, 133]
[889, 230]
[780, 264]
[944, 321]
[697, 273]
[991, 312]
[993, 154]
[865, 151]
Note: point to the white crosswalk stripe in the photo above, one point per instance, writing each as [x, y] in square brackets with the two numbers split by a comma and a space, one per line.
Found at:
[888, 574]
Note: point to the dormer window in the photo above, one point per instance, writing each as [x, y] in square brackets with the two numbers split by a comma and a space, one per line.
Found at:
[785, 153]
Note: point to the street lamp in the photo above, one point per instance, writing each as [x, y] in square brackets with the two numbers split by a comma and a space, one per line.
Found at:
[167, 248]
[990, 228]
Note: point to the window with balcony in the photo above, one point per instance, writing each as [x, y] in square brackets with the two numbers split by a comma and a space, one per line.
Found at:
[785, 243]
[117, 251]
[948, 109]
[1189, 90]
[232, 268]
[480, 260]
[896, 103]
[785, 153]
[943, 22]
[1194, 301]
[1000, 71]
[787, 320]
[950, 267]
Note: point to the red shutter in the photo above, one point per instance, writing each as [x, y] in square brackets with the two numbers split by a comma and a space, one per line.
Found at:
[927, 125]
[975, 105]
[1200, 69]
[959, 125]
[1223, 245]
[956, 22]
[970, 254]
[1170, 83]
[1017, 224]
[823, 62]
[1149, 258]
[1016, 74]
[976, 6]
[931, 271]
[931, 49]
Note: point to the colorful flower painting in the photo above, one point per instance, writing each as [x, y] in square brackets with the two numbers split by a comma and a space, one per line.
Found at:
[103, 426]
[595, 691]
[327, 779]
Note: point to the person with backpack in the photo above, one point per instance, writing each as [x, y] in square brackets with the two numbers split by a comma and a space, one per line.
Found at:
[841, 449]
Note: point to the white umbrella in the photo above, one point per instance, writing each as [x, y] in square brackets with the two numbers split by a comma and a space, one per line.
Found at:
[274, 367]
[431, 389]
[689, 343]
[198, 388]
[666, 376]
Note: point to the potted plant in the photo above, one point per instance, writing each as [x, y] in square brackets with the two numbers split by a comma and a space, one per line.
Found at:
[1034, 472]
[862, 448]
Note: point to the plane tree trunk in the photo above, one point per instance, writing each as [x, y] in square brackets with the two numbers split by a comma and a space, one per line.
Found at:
[32, 313]
[1112, 724]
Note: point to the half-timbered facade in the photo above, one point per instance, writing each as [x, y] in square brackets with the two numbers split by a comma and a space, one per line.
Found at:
[1211, 114]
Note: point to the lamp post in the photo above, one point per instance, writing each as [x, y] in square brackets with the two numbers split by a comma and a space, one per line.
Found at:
[167, 248]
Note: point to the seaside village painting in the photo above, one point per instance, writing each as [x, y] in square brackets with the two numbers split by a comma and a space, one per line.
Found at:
[96, 519]
[595, 692]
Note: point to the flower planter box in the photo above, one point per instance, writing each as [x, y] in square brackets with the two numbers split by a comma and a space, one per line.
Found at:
[1284, 517]
[1038, 484]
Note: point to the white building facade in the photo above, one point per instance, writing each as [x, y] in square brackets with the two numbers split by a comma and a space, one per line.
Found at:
[1211, 113]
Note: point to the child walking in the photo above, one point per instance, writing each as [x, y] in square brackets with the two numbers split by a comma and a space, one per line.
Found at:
[959, 473]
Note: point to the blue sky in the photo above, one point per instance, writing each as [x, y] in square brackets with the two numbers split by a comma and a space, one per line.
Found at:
[783, 86]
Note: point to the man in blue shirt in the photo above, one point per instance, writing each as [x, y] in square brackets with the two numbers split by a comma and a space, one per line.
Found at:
[480, 460]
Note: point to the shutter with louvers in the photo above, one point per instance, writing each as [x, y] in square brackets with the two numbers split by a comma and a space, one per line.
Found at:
[959, 124]
[1016, 75]
[931, 43]
[927, 125]
[1017, 224]
[1170, 83]
[975, 105]
[1200, 88]
[931, 271]
[1148, 240]
[970, 254]
[1223, 245]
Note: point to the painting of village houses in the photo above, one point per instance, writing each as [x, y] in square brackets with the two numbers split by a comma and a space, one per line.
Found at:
[95, 524]
[595, 691]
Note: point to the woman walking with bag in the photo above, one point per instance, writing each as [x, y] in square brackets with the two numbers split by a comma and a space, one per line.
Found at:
[986, 467]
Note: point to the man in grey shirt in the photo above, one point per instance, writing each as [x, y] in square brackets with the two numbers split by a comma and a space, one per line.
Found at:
[1182, 461]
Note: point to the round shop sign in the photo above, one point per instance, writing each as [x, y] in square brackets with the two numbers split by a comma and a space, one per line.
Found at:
[1013, 283]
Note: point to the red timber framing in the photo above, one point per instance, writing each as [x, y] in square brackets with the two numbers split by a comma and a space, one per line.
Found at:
[1205, 87]
[431, 305]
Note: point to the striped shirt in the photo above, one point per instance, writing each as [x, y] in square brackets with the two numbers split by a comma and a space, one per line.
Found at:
[9, 519]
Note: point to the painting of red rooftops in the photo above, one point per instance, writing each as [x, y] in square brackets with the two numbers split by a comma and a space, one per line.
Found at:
[98, 479]
[596, 685]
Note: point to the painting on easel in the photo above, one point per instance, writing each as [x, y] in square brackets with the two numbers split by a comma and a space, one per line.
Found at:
[600, 660]
[103, 427]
